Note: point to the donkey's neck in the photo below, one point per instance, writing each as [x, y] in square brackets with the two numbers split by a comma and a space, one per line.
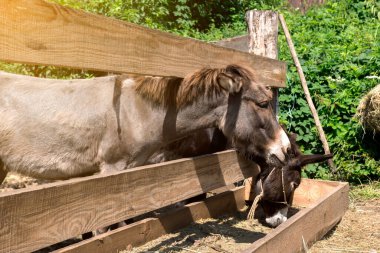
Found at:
[200, 115]
[145, 127]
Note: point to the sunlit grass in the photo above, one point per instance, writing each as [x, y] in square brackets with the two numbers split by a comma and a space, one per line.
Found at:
[366, 191]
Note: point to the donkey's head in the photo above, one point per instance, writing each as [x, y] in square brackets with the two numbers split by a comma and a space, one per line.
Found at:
[248, 120]
[277, 184]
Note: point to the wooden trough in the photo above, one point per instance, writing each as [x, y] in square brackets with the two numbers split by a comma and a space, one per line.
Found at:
[38, 32]
[323, 204]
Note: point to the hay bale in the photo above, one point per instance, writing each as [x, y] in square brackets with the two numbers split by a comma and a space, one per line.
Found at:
[368, 111]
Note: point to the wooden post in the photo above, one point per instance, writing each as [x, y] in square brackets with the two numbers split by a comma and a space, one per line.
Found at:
[314, 112]
[263, 34]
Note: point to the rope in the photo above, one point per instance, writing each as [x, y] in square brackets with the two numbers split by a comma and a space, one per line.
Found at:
[252, 210]
[259, 197]
[283, 187]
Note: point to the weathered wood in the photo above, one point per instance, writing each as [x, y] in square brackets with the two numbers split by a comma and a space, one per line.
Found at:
[239, 43]
[39, 216]
[309, 100]
[312, 190]
[149, 229]
[262, 35]
[38, 32]
[325, 203]
[309, 224]
[249, 193]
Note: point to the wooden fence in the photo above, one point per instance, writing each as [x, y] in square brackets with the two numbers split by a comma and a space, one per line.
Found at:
[38, 32]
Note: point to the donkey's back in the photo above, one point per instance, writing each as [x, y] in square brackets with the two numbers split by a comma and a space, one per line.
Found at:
[52, 128]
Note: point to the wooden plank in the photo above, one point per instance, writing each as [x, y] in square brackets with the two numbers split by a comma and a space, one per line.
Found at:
[239, 43]
[37, 32]
[312, 190]
[149, 229]
[309, 224]
[33, 218]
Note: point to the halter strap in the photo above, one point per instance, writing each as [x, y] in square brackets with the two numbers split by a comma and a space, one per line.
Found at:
[283, 186]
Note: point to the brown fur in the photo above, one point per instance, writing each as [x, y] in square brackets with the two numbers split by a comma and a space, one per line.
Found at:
[167, 91]
[162, 91]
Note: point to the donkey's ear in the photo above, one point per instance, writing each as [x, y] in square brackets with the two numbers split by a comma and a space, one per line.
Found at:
[230, 83]
[308, 159]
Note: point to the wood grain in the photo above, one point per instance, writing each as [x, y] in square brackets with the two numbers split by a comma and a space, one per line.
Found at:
[39, 216]
[326, 202]
[263, 33]
[309, 224]
[239, 43]
[263, 37]
[149, 229]
[312, 190]
[37, 32]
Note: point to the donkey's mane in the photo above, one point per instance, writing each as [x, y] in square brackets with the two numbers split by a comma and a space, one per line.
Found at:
[166, 91]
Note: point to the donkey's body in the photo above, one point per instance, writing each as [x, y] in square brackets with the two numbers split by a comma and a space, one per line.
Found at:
[45, 132]
[201, 142]
[57, 129]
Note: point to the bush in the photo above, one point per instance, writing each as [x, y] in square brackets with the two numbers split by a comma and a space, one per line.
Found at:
[339, 50]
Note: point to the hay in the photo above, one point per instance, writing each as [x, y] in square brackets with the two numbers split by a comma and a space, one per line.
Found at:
[368, 111]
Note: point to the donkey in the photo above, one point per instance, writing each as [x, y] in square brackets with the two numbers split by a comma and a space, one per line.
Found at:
[59, 129]
[201, 142]
[275, 184]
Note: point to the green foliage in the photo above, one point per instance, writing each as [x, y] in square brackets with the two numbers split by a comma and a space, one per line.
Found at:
[339, 49]
[185, 17]
[47, 71]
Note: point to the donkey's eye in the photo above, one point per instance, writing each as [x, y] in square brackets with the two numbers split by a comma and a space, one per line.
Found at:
[263, 104]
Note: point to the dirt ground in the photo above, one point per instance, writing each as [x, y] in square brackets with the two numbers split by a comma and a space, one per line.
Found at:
[358, 231]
